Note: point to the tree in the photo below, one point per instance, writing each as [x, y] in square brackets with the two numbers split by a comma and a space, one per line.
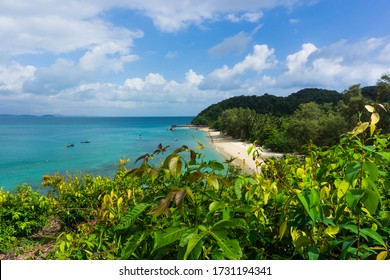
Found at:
[237, 122]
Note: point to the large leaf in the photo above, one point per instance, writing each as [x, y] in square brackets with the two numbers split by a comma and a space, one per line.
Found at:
[194, 241]
[213, 181]
[233, 223]
[230, 248]
[352, 170]
[374, 118]
[374, 235]
[175, 166]
[237, 189]
[353, 197]
[371, 169]
[131, 216]
[310, 201]
[167, 236]
[342, 188]
[370, 200]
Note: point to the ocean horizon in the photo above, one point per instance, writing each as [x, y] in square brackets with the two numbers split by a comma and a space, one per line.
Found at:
[33, 146]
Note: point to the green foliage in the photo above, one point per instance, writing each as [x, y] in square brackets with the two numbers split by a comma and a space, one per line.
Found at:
[267, 104]
[286, 124]
[22, 213]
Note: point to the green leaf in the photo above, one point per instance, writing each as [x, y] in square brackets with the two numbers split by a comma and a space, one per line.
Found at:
[371, 169]
[353, 197]
[370, 200]
[351, 171]
[313, 253]
[342, 188]
[167, 236]
[302, 241]
[215, 165]
[311, 201]
[282, 229]
[346, 248]
[131, 216]
[374, 235]
[237, 189]
[233, 223]
[216, 205]
[213, 181]
[175, 166]
[230, 248]
[193, 242]
[132, 244]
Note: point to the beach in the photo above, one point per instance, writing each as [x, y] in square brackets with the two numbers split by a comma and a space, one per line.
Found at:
[236, 150]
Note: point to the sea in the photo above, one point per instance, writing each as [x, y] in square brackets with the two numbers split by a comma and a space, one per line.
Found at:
[32, 146]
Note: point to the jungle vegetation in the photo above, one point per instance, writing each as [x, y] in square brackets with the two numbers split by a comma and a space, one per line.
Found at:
[285, 124]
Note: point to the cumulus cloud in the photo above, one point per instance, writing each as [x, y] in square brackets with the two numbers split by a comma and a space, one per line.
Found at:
[14, 75]
[337, 65]
[261, 58]
[297, 60]
[107, 57]
[193, 79]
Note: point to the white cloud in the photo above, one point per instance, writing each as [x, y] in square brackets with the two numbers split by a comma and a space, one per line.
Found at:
[385, 53]
[295, 61]
[193, 79]
[336, 66]
[250, 17]
[14, 75]
[261, 58]
[155, 79]
[237, 43]
[176, 15]
[107, 57]
[135, 84]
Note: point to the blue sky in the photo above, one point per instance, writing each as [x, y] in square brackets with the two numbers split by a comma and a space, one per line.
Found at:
[169, 58]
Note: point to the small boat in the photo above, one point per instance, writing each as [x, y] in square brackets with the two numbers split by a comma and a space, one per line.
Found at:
[70, 145]
[85, 142]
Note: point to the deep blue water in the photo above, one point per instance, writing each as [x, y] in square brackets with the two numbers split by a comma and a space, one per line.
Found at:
[31, 147]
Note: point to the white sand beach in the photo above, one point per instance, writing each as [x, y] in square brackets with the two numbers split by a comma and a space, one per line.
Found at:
[232, 148]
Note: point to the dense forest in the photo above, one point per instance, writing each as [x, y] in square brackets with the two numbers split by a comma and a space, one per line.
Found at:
[328, 203]
[286, 124]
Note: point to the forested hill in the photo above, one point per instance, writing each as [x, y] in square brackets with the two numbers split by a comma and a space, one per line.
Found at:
[268, 104]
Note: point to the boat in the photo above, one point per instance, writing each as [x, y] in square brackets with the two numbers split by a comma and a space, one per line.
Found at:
[85, 142]
[70, 145]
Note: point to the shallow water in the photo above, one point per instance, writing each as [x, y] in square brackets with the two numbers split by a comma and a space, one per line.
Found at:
[31, 147]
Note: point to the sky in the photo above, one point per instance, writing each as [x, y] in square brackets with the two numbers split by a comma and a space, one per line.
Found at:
[176, 57]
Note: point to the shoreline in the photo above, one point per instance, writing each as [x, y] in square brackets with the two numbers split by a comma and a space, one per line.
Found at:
[236, 149]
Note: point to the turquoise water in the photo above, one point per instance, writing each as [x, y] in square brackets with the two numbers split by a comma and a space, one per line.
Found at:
[31, 147]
